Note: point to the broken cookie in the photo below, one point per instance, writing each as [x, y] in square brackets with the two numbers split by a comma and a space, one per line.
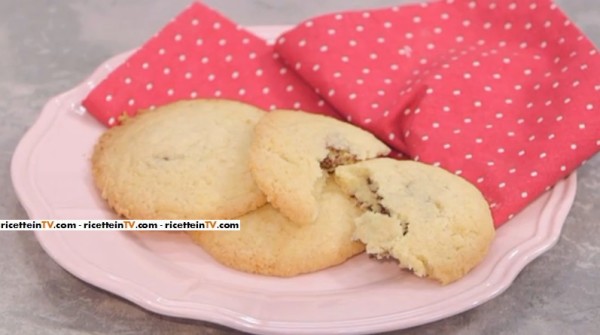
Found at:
[293, 153]
[433, 222]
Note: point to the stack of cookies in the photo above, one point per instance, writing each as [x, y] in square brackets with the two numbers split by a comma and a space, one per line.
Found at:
[310, 191]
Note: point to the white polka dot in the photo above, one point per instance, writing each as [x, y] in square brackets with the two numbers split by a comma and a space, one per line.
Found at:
[507, 26]
[459, 39]
[178, 37]
[429, 91]
[127, 80]
[331, 92]
[391, 136]
[167, 70]
[259, 72]
[500, 150]
[161, 51]
[524, 195]
[289, 88]
[468, 156]
[589, 107]
[416, 19]
[437, 30]
[487, 88]
[381, 92]
[217, 25]
[316, 67]
[204, 60]
[466, 23]
[409, 35]
[563, 168]
[582, 126]
[445, 16]
[109, 97]
[265, 90]
[112, 121]
[573, 146]
[458, 172]
[487, 25]
[543, 155]
[360, 28]
[352, 96]
[193, 95]
[512, 170]
[456, 92]
[131, 102]
[145, 66]
[170, 92]
[149, 86]
[309, 23]
[502, 185]
[477, 103]
[373, 56]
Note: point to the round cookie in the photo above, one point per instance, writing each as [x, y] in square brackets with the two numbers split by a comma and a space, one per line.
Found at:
[433, 222]
[293, 152]
[185, 160]
[269, 244]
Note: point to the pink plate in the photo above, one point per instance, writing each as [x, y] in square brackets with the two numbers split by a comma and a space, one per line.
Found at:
[167, 274]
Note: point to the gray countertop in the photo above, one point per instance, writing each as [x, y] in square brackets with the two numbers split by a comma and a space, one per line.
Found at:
[47, 47]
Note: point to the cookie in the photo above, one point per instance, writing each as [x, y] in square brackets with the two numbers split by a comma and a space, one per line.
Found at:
[293, 152]
[185, 160]
[270, 244]
[433, 222]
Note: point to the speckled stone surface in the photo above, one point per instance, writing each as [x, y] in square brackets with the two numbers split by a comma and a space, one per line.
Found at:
[47, 47]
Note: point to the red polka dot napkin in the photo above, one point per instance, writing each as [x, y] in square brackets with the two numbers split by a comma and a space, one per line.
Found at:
[503, 93]
[201, 54]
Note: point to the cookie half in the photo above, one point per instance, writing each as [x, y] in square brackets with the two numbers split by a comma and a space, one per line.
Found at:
[186, 160]
[433, 222]
[293, 152]
[270, 244]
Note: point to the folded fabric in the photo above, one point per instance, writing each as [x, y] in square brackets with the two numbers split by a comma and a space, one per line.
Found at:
[201, 54]
[503, 93]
